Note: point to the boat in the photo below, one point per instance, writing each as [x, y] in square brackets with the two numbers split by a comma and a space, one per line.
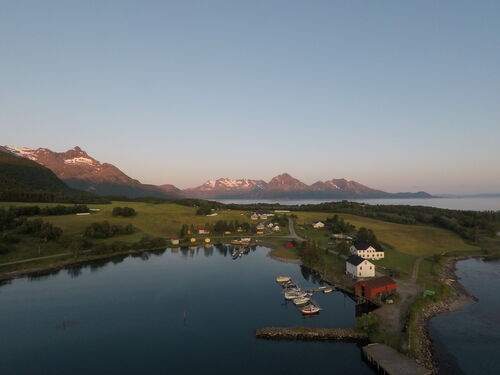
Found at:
[283, 279]
[310, 309]
[301, 301]
[322, 287]
[327, 290]
[292, 294]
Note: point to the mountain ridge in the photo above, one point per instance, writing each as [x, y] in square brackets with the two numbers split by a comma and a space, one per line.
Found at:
[81, 171]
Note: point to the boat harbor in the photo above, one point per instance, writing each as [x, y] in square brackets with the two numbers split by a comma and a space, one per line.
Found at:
[302, 298]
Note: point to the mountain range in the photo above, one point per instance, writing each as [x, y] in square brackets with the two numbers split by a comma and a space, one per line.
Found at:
[80, 171]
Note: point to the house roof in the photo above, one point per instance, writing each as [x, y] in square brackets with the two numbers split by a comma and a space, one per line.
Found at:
[378, 282]
[361, 245]
[355, 260]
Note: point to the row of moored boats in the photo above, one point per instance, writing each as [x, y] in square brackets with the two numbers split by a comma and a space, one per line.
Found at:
[300, 298]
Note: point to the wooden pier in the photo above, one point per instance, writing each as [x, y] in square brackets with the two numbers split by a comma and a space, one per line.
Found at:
[388, 361]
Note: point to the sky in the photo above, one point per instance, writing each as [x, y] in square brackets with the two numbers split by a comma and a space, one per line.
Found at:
[397, 95]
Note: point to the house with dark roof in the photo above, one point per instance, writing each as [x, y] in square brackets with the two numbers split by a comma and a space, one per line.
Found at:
[357, 267]
[367, 250]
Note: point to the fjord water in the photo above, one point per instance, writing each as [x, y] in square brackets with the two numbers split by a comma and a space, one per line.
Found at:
[467, 341]
[189, 311]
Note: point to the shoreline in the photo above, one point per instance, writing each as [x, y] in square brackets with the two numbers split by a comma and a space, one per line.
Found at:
[460, 300]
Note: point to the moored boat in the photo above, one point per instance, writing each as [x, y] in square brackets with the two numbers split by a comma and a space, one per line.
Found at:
[283, 279]
[327, 290]
[310, 309]
[292, 294]
[301, 301]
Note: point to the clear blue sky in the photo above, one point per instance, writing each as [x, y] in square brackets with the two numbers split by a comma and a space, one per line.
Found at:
[399, 95]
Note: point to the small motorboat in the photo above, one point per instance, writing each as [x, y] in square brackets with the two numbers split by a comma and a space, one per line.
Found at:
[322, 287]
[310, 309]
[294, 294]
[327, 290]
[283, 279]
[301, 301]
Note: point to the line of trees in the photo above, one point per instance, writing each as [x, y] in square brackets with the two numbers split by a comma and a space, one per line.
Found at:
[123, 211]
[104, 229]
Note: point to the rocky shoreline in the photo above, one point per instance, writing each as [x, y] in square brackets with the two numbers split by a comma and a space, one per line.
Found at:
[459, 300]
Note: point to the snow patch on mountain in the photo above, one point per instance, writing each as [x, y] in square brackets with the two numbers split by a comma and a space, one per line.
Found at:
[79, 160]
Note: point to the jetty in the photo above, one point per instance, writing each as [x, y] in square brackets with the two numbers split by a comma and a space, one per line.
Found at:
[311, 334]
[391, 362]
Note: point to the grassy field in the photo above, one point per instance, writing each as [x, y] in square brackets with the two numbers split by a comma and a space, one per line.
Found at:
[403, 244]
[416, 240]
[159, 220]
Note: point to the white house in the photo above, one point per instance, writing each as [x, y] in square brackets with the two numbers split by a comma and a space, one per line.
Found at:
[367, 251]
[260, 226]
[357, 267]
[254, 216]
[318, 224]
[270, 225]
[203, 231]
[276, 228]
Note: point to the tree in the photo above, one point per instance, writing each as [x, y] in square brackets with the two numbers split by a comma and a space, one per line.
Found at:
[366, 235]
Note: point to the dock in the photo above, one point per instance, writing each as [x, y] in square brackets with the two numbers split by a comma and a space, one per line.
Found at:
[388, 361]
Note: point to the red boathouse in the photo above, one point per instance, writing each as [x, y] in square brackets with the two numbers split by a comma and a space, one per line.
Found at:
[374, 287]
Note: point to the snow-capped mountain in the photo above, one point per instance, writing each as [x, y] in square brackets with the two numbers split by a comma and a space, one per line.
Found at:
[225, 187]
[286, 186]
[81, 171]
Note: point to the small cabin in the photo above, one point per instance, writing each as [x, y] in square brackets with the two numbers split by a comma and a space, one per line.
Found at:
[174, 241]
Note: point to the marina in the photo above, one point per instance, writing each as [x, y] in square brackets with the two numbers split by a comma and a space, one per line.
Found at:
[302, 298]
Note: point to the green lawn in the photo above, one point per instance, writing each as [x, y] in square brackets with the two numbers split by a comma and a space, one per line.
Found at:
[418, 240]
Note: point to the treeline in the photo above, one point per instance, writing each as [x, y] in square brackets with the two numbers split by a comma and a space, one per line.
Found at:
[467, 224]
[339, 225]
[104, 229]
[218, 227]
[47, 211]
[123, 211]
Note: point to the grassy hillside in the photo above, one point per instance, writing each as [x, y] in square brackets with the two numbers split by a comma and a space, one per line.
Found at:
[161, 220]
[403, 244]
[418, 240]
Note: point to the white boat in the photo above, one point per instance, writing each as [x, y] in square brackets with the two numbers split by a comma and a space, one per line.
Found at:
[327, 290]
[283, 279]
[301, 301]
[294, 294]
[310, 309]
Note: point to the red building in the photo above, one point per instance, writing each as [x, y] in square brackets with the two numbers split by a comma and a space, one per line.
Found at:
[374, 287]
[289, 245]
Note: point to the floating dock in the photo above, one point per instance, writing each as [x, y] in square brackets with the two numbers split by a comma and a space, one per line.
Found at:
[388, 361]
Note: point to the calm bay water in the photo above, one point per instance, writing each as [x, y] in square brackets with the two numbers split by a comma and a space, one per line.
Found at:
[468, 341]
[167, 312]
[466, 203]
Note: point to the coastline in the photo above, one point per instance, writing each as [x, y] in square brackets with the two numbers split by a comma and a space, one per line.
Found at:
[458, 301]
[283, 260]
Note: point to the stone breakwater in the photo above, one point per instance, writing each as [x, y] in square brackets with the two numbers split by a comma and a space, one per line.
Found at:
[311, 334]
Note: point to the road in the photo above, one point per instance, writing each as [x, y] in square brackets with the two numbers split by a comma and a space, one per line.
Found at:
[291, 228]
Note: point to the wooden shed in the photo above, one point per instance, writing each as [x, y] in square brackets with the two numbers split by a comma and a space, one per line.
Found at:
[374, 287]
